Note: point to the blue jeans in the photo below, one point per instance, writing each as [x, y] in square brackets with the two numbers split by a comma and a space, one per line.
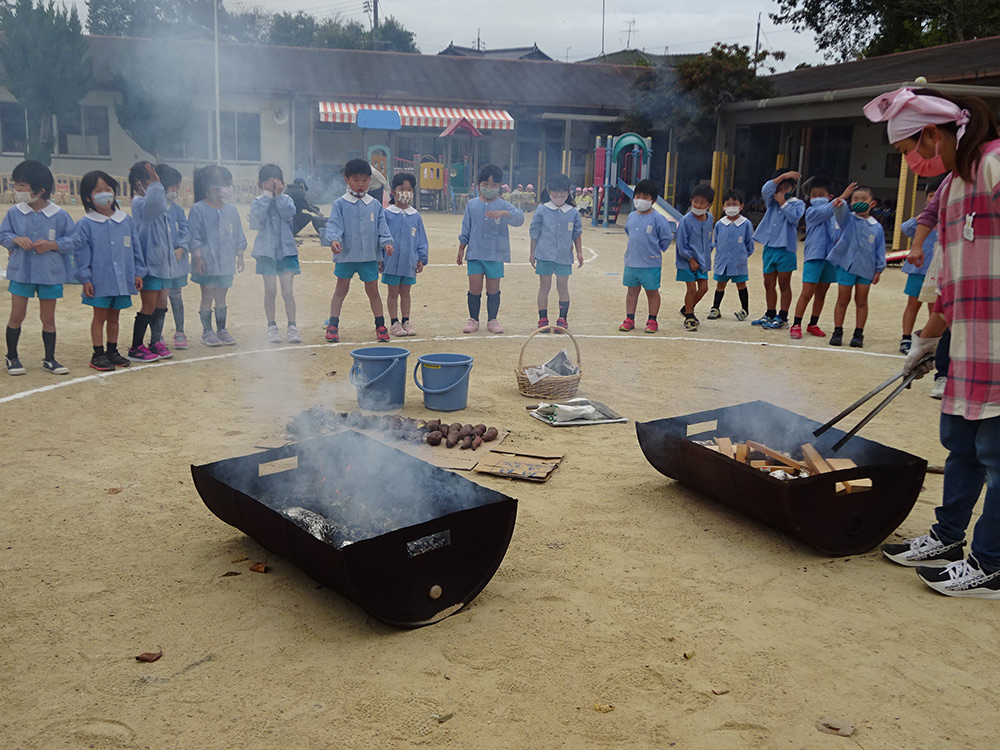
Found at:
[973, 461]
[942, 360]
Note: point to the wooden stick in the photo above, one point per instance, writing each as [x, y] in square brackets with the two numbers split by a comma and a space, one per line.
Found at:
[761, 448]
[852, 485]
[725, 446]
[819, 465]
[742, 453]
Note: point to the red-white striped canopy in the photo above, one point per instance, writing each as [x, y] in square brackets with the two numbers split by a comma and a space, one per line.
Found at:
[429, 117]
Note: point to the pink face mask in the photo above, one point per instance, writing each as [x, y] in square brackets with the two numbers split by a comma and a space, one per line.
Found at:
[923, 167]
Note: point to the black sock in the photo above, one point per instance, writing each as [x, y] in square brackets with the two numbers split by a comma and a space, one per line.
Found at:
[112, 348]
[689, 315]
[770, 313]
[651, 317]
[335, 322]
[492, 305]
[475, 302]
[379, 321]
[717, 301]
[156, 325]
[630, 316]
[782, 314]
[13, 334]
[563, 309]
[98, 351]
[404, 321]
[814, 320]
[206, 319]
[49, 342]
[543, 314]
[272, 323]
[177, 308]
[139, 329]
[394, 320]
[744, 299]
[220, 317]
[907, 337]
[797, 321]
[859, 332]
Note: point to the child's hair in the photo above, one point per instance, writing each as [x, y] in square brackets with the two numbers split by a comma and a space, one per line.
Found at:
[778, 173]
[822, 182]
[560, 183]
[357, 166]
[37, 175]
[137, 176]
[863, 189]
[703, 191]
[649, 188]
[211, 176]
[268, 172]
[733, 195]
[89, 181]
[400, 177]
[490, 170]
[168, 175]
[981, 128]
[933, 184]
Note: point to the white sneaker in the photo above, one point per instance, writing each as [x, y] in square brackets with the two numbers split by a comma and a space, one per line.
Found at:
[937, 390]
[396, 329]
[273, 335]
[294, 337]
[471, 326]
[409, 329]
[925, 550]
[493, 326]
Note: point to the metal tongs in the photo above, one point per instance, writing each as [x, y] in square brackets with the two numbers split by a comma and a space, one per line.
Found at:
[907, 380]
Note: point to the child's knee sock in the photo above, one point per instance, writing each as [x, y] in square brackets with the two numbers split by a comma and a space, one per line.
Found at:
[206, 320]
[563, 308]
[717, 300]
[492, 306]
[13, 334]
[177, 308]
[139, 329]
[156, 324]
[220, 318]
[814, 320]
[475, 302]
[744, 298]
[49, 342]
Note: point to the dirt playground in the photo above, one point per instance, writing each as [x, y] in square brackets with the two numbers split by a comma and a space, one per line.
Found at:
[623, 590]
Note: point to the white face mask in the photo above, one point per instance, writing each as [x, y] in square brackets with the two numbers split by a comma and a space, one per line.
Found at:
[818, 201]
[103, 199]
[489, 194]
[171, 195]
[699, 211]
[22, 197]
[732, 211]
[642, 205]
[404, 196]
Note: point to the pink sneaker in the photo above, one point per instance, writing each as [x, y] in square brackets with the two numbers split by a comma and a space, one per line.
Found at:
[161, 349]
[397, 329]
[472, 326]
[180, 341]
[141, 354]
[409, 329]
[493, 326]
[795, 331]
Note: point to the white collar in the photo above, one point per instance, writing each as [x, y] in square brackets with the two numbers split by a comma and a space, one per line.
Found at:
[565, 207]
[352, 199]
[117, 217]
[393, 208]
[739, 222]
[50, 210]
[872, 220]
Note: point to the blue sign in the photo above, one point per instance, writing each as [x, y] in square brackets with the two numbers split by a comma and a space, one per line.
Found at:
[379, 119]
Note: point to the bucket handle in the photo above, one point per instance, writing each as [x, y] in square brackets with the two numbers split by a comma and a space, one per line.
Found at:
[559, 329]
[377, 378]
[439, 391]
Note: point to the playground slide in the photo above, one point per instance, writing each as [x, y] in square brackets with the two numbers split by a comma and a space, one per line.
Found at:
[661, 206]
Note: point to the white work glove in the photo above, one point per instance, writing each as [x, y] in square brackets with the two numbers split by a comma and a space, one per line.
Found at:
[919, 349]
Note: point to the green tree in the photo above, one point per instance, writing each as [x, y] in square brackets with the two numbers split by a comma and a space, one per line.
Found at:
[45, 58]
[393, 36]
[151, 19]
[293, 31]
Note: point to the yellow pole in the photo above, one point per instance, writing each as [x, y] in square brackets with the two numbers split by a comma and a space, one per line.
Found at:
[905, 200]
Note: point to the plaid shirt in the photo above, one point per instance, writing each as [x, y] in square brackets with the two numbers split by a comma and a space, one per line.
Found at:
[970, 289]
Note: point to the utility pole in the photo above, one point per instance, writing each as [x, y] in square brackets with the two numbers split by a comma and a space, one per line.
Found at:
[218, 113]
[756, 47]
[631, 26]
[567, 53]
[604, 4]
[375, 44]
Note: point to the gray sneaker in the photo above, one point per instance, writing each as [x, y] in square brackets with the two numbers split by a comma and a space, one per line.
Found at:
[273, 335]
[211, 338]
[225, 338]
[294, 337]
[937, 390]
[924, 551]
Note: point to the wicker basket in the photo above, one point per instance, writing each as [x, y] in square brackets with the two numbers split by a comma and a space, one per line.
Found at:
[554, 386]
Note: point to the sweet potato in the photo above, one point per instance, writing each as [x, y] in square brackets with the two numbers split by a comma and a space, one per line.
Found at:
[455, 427]
[465, 431]
[476, 442]
[479, 429]
[434, 438]
[452, 441]
[466, 443]
[490, 434]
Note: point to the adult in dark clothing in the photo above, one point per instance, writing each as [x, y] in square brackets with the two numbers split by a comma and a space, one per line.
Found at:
[305, 212]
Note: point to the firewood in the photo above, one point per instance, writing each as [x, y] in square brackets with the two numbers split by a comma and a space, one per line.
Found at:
[851, 485]
[780, 457]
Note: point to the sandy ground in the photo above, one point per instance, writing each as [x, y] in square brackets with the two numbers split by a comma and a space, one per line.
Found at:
[614, 572]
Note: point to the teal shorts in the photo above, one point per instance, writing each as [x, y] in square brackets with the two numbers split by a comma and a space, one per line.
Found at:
[849, 279]
[723, 279]
[366, 270]
[44, 291]
[156, 284]
[491, 269]
[647, 278]
[914, 283]
[686, 274]
[117, 302]
[226, 282]
[268, 266]
[779, 260]
[549, 267]
[819, 272]
[392, 279]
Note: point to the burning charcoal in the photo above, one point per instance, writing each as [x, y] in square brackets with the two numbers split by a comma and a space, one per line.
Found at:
[490, 435]
[434, 438]
[476, 442]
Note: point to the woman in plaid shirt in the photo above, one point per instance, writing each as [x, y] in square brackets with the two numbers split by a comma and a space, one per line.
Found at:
[938, 134]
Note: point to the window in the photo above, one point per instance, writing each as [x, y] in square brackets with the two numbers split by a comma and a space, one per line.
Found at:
[85, 132]
[13, 128]
[240, 137]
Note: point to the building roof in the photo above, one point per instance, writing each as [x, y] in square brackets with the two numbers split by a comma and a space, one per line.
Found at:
[639, 57]
[499, 53]
[973, 62]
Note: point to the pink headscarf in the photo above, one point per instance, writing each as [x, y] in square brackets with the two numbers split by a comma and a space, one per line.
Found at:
[908, 113]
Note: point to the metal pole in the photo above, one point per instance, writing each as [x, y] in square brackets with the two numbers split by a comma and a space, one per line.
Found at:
[604, 5]
[375, 24]
[218, 111]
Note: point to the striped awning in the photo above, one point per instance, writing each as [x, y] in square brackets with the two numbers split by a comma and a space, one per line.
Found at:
[414, 117]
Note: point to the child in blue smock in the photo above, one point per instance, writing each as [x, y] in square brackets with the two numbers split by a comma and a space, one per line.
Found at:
[409, 242]
[694, 252]
[217, 246]
[915, 268]
[485, 234]
[163, 231]
[274, 249]
[556, 231]
[359, 237]
[859, 256]
[38, 236]
[109, 263]
[733, 242]
[649, 235]
[778, 233]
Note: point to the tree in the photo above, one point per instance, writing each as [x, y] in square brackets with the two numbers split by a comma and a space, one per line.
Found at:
[153, 19]
[393, 36]
[45, 58]
[292, 31]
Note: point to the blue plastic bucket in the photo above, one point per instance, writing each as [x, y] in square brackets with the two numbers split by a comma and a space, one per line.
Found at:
[446, 380]
[379, 374]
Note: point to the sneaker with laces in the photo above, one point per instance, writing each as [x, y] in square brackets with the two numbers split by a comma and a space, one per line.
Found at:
[273, 335]
[627, 325]
[141, 354]
[332, 334]
[14, 366]
[714, 314]
[926, 550]
[795, 331]
[408, 329]
[116, 359]
[775, 324]
[562, 323]
[160, 349]
[101, 363]
[294, 337]
[837, 339]
[741, 315]
[382, 334]
[50, 365]
[816, 331]
[211, 338]
[180, 341]
[493, 326]
[762, 320]
[396, 329]
[937, 390]
[690, 324]
[653, 326]
[471, 326]
[226, 338]
[904, 346]
[962, 578]
[543, 322]
[858, 341]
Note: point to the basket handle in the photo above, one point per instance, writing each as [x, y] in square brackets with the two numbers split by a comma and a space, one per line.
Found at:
[520, 359]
